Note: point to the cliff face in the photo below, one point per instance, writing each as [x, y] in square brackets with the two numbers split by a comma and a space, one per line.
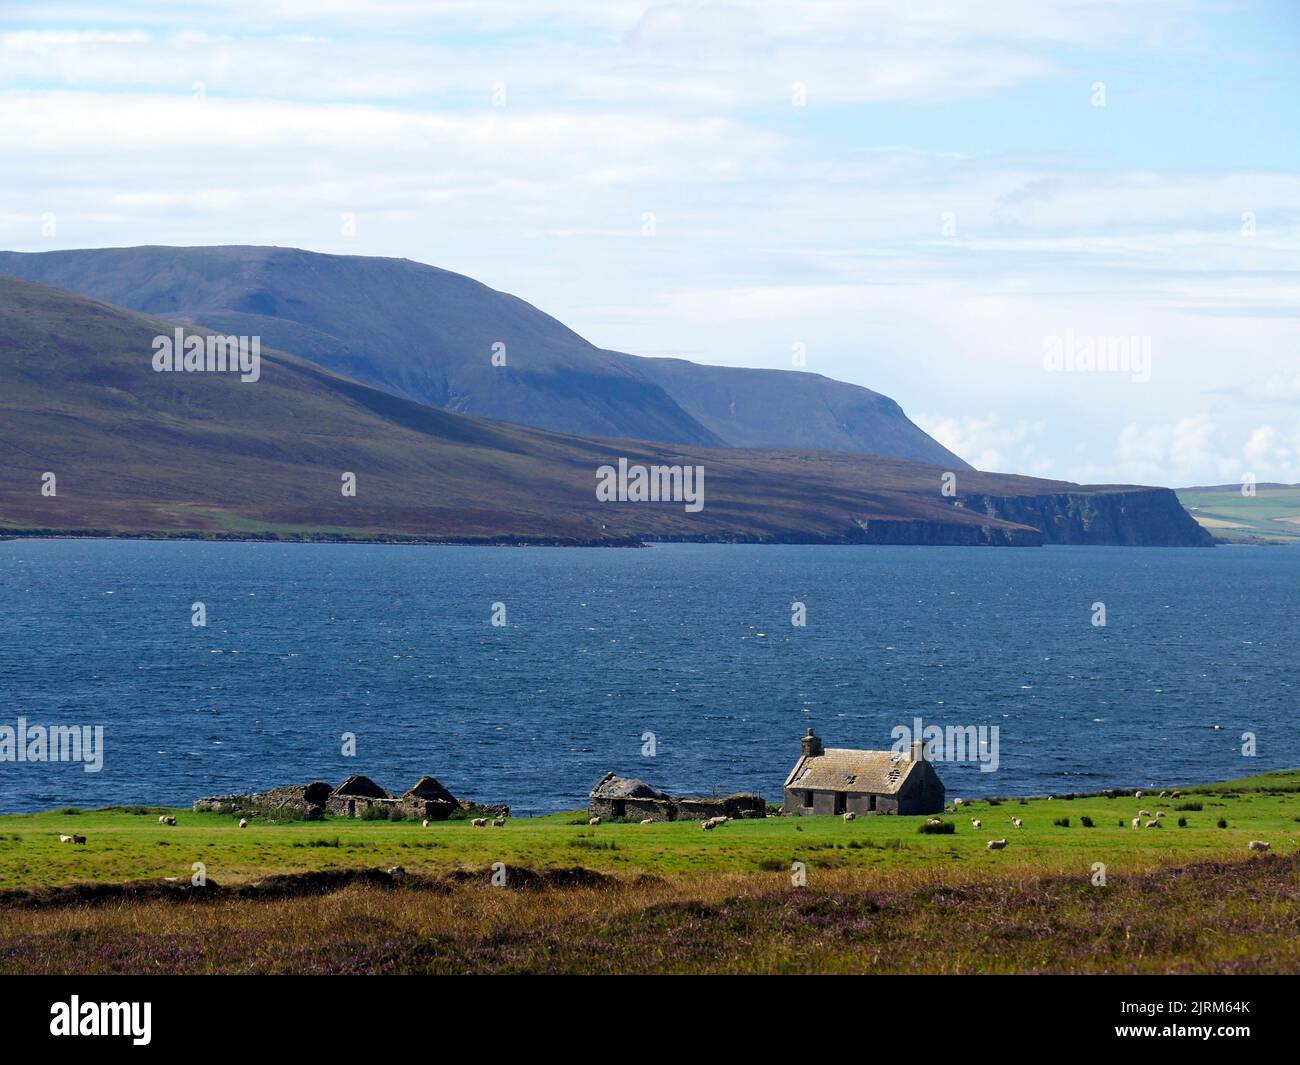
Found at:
[1138, 517]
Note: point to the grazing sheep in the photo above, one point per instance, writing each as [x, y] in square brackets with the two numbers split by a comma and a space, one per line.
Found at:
[64, 839]
[958, 802]
[849, 815]
[497, 822]
[479, 822]
[1152, 824]
[424, 823]
[397, 873]
[594, 821]
[933, 821]
[1144, 813]
[1017, 822]
[708, 826]
[1164, 794]
[995, 844]
[975, 823]
[648, 821]
[82, 839]
[167, 820]
[1137, 795]
[1159, 814]
[1258, 845]
[243, 822]
[1137, 822]
[1177, 795]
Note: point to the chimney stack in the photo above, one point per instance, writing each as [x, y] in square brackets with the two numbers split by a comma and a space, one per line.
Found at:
[917, 751]
[812, 746]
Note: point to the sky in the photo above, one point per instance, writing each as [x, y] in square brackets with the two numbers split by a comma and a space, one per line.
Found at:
[1063, 234]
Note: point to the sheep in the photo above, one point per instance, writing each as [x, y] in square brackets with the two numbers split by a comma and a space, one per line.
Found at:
[479, 822]
[1144, 813]
[167, 820]
[397, 873]
[82, 839]
[1164, 794]
[243, 822]
[975, 823]
[958, 802]
[497, 822]
[933, 821]
[424, 823]
[708, 826]
[1258, 845]
[995, 844]
[1137, 795]
[849, 815]
[1017, 822]
[64, 839]
[1177, 795]
[1159, 814]
[1152, 824]
[648, 821]
[1137, 822]
[162, 819]
[594, 821]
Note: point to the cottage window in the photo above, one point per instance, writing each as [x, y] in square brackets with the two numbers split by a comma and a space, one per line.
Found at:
[807, 800]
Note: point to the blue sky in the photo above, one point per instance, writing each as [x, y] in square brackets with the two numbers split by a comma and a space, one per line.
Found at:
[924, 197]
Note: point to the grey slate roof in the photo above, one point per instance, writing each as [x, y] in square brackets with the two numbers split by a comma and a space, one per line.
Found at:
[843, 769]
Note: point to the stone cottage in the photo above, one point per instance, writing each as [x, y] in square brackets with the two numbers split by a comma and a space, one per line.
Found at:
[616, 797]
[836, 780]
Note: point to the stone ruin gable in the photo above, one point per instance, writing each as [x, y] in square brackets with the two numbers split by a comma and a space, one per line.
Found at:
[634, 800]
[428, 799]
[355, 795]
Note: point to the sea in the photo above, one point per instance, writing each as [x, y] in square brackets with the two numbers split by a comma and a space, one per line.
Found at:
[523, 675]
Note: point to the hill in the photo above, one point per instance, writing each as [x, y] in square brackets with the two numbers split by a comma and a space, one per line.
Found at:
[139, 451]
[428, 334]
[1270, 516]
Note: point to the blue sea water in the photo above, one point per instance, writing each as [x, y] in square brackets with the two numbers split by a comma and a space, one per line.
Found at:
[692, 643]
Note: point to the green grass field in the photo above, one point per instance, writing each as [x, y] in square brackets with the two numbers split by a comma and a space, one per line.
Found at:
[1272, 515]
[670, 897]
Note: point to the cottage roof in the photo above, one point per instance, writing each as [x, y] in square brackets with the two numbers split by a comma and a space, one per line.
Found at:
[361, 786]
[612, 786]
[429, 790]
[842, 769]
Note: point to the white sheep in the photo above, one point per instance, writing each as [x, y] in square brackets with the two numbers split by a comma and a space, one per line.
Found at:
[1159, 814]
[479, 822]
[162, 819]
[976, 823]
[932, 822]
[1177, 795]
[424, 823]
[497, 822]
[1144, 813]
[243, 822]
[1137, 822]
[958, 802]
[1017, 822]
[1137, 795]
[995, 844]
[849, 815]
[1152, 824]
[64, 839]
[167, 820]
[594, 821]
[1164, 794]
[648, 821]
[1258, 845]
